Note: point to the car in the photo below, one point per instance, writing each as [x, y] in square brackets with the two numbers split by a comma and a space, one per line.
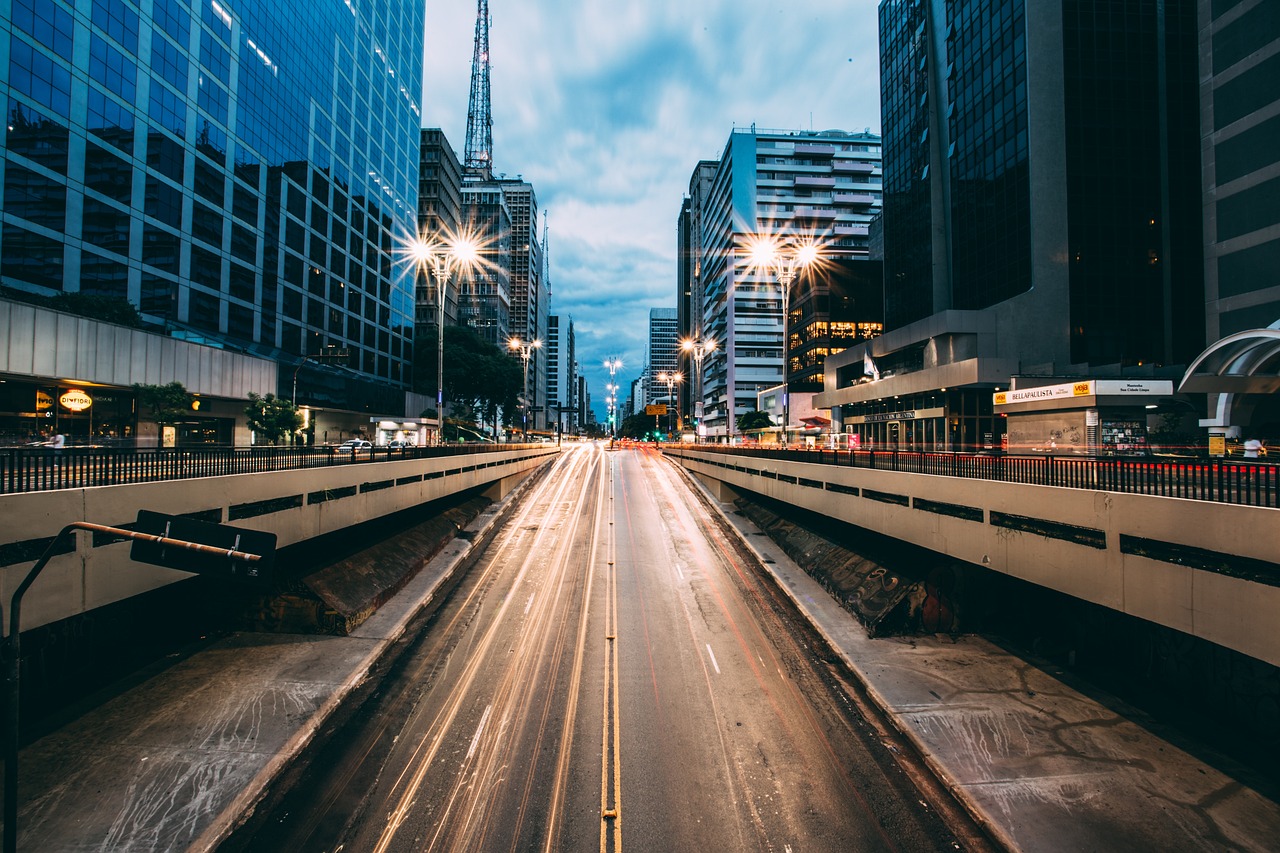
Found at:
[354, 445]
[397, 444]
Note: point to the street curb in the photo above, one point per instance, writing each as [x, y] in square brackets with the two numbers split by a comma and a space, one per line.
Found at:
[771, 563]
[455, 556]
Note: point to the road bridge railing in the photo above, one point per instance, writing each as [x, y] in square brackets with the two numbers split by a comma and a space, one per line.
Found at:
[46, 469]
[1248, 482]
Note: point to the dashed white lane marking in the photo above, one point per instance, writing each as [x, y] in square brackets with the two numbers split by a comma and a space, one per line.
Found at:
[713, 659]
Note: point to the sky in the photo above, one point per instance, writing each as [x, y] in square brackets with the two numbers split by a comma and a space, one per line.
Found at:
[607, 107]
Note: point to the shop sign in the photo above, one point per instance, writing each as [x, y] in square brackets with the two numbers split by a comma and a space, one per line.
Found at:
[1044, 392]
[44, 402]
[889, 416]
[1139, 388]
[75, 400]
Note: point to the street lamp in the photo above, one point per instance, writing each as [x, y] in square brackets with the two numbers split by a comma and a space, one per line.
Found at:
[783, 259]
[613, 365]
[671, 378]
[525, 348]
[442, 258]
[698, 349]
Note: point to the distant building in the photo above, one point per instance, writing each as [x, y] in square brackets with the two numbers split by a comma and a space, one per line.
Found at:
[1039, 226]
[662, 354]
[823, 185]
[217, 170]
[562, 385]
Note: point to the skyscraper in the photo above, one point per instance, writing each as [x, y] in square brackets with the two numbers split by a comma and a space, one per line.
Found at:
[1038, 217]
[240, 173]
[824, 185]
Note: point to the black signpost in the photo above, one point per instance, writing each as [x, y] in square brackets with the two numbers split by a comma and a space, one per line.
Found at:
[232, 553]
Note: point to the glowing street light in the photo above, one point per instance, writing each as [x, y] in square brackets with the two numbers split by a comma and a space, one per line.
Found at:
[613, 365]
[671, 378]
[454, 252]
[783, 259]
[525, 348]
[698, 349]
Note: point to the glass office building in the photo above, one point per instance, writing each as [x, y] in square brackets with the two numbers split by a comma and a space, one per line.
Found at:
[242, 171]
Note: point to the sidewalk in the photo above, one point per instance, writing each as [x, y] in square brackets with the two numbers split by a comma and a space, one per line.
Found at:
[1042, 766]
[174, 763]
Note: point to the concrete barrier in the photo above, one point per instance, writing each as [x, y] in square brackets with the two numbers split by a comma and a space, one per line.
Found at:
[296, 505]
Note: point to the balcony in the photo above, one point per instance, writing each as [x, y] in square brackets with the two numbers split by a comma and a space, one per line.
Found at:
[814, 182]
[854, 167]
[812, 150]
[815, 213]
[854, 198]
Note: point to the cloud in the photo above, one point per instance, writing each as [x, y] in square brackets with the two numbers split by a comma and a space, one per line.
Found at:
[606, 108]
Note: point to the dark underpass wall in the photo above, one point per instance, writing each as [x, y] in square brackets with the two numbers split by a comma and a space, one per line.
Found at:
[1224, 698]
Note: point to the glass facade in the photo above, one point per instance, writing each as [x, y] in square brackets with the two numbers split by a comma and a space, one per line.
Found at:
[242, 173]
[1133, 214]
[908, 217]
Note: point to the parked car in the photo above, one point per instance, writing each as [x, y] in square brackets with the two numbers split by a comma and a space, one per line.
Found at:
[354, 445]
[397, 444]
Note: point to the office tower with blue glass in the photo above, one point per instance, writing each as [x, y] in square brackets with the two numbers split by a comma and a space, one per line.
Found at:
[242, 173]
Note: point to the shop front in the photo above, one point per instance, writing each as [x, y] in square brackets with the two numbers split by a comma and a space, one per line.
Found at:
[956, 420]
[33, 412]
[1093, 417]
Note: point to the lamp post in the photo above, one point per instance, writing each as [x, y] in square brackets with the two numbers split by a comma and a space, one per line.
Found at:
[783, 259]
[613, 365]
[442, 258]
[671, 378]
[525, 348]
[698, 349]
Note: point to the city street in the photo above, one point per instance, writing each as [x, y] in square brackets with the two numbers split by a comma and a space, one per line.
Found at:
[612, 673]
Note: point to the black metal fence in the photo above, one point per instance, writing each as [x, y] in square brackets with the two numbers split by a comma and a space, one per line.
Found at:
[1249, 482]
[45, 469]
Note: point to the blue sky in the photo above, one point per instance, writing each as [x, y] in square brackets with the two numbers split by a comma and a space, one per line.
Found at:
[606, 108]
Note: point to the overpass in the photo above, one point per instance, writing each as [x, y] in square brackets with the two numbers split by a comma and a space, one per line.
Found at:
[1202, 563]
[296, 504]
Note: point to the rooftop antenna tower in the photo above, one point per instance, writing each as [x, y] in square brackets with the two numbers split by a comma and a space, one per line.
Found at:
[546, 253]
[479, 155]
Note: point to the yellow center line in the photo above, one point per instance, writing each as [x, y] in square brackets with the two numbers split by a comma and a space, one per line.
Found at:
[611, 738]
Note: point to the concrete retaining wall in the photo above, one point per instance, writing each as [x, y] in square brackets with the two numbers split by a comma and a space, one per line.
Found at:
[1205, 569]
[295, 505]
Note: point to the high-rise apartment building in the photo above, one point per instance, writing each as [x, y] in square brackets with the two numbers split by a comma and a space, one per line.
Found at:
[689, 268]
[241, 174]
[823, 185]
[1038, 220]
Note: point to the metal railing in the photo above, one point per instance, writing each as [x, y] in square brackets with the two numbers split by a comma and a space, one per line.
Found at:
[44, 469]
[1249, 482]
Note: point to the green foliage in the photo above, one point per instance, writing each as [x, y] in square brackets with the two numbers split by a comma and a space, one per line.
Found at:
[479, 377]
[754, 420]
[167, 404]
[270, 417]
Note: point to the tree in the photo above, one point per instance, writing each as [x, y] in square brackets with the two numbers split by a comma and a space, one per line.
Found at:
[479, 377]
[754, 420]
[271, 417]
[166, 403]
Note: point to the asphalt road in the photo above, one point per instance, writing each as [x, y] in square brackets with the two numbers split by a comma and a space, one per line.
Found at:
[613, 673]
